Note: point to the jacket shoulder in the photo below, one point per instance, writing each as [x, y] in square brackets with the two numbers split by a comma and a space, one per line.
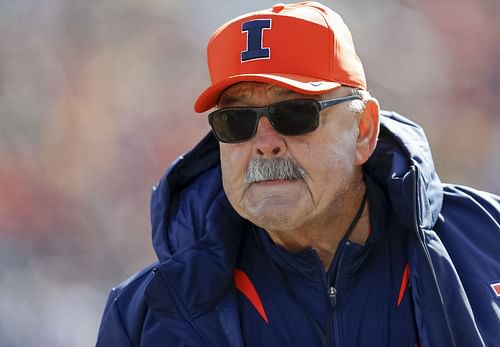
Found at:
[469, 227]
[470, 203]
[469, 222]
[125, 311]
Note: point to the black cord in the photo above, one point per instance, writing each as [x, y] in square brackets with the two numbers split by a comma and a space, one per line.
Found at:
[356, 218]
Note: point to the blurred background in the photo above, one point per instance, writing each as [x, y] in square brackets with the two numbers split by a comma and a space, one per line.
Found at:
[96, 100]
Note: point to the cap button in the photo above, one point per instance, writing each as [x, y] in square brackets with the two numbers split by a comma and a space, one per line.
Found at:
[278, 7]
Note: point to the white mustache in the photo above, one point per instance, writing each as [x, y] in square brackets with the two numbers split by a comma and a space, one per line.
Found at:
[273, 169]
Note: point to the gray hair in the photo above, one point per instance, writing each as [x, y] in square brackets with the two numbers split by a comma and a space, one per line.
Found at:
[358, 106]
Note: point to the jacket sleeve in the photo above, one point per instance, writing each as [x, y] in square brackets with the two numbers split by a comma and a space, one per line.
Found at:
[112, 331]
[469, 227]
[124, 316]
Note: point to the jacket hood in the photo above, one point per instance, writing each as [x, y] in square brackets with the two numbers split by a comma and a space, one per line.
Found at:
[195, 235]
[196, 232]
[402, 163]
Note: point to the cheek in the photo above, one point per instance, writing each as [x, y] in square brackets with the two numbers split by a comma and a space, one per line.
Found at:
[334, 143]
[330, 163]
[234, 162]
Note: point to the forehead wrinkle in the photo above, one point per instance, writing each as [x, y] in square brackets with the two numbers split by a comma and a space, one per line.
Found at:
[236, 94]
[245, 92]
[284, 92]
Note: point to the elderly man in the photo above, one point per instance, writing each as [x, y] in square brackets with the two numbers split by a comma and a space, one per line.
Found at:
[308, 217]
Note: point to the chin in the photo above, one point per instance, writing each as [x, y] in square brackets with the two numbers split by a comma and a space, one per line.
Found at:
[276, 221]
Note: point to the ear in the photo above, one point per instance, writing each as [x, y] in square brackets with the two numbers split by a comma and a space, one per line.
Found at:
[368, 128]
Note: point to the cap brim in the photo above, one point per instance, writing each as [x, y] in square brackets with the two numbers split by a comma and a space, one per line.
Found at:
[299, 84]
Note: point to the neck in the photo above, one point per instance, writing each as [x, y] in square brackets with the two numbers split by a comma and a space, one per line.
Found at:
[325, 234]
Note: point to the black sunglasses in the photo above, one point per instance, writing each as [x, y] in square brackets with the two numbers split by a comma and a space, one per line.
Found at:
[289, 118]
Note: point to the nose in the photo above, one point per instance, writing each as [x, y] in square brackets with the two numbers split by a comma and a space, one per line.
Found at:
[268, 142]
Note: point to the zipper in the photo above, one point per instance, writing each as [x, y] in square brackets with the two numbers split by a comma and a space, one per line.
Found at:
[332, 332]
[332, 295]
[330, 324]
[332, 329]
[333, 298]
[418, 230]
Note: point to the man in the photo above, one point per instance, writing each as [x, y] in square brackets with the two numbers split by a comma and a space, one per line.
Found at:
[308, 217]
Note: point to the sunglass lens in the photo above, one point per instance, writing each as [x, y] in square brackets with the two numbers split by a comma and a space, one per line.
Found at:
[233, 125]
[295, 117]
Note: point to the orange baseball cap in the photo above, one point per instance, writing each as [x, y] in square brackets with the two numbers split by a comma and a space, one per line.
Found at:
[305, 47]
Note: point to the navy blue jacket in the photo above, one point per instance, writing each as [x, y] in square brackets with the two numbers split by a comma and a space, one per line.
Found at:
[424, 277]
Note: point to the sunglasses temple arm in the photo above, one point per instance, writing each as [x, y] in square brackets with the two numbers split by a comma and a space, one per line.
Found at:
[327, 103]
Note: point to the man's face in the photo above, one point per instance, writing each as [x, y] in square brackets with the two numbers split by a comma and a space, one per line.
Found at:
[327, 154]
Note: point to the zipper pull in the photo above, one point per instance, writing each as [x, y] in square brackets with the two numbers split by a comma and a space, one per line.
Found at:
[332, 295]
